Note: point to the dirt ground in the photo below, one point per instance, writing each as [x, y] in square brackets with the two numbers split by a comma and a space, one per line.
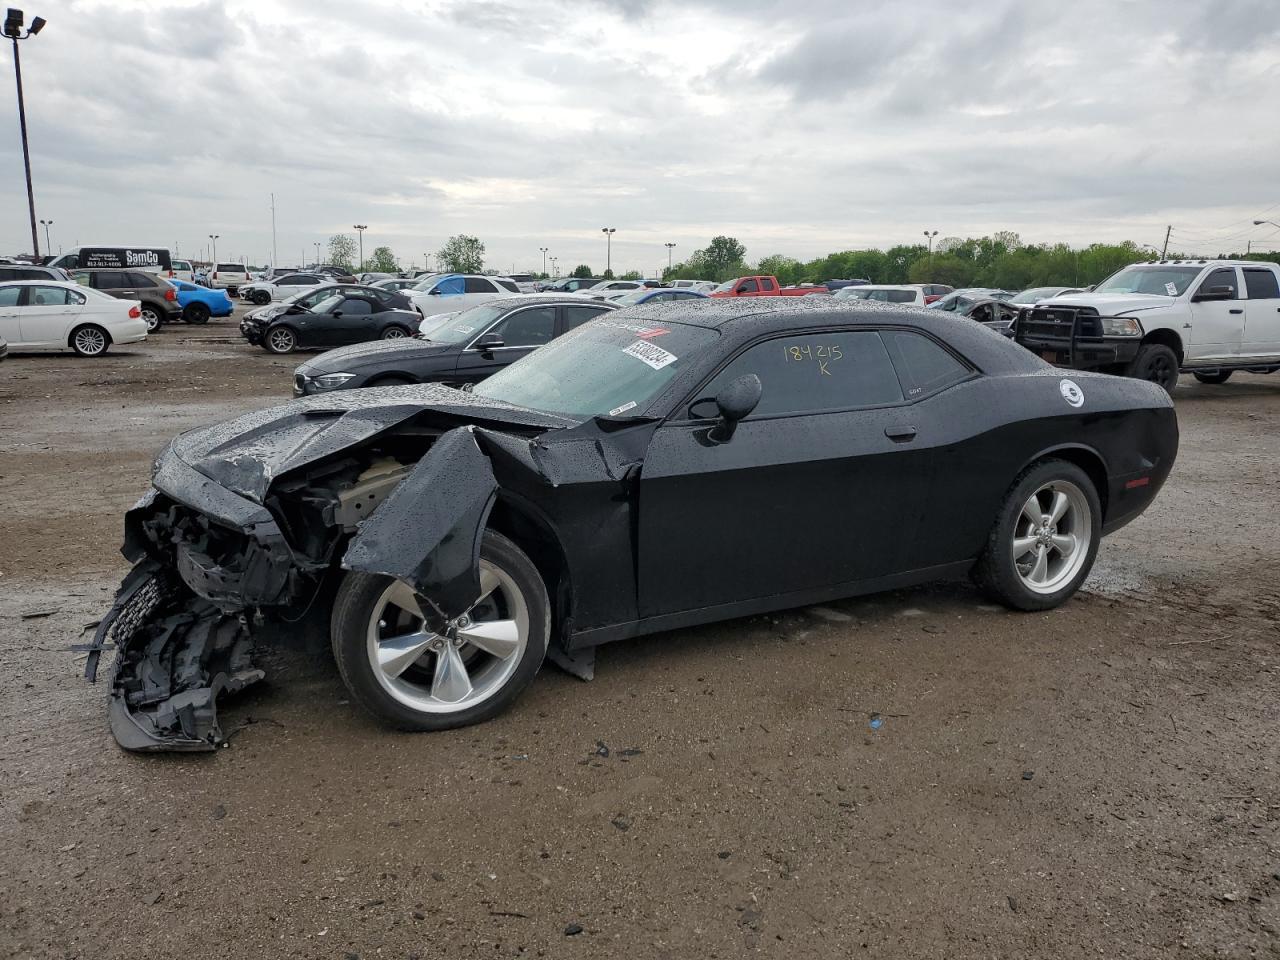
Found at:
[1099, 781]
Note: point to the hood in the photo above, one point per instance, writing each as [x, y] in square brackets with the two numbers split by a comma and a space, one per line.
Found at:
[375, 352]
[1111, 304]
[245, 455]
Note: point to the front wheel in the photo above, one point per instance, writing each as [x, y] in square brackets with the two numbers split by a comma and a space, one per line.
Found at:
[412, 678]
[261, 297]
[394, 333]
[1218, 376]
[1156, 363]
[280, 340]
[1045, 538]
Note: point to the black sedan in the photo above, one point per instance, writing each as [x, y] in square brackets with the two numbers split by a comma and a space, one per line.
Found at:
[465, 348]
[653, 469]
[390, 299]
[354, 316]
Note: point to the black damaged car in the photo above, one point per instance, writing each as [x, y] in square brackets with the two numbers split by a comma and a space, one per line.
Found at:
[464, 348]
[656, 468]
[345, 316]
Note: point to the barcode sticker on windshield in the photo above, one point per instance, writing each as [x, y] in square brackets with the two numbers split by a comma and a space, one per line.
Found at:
[1171, 289]
[648, 353]
[629, 405]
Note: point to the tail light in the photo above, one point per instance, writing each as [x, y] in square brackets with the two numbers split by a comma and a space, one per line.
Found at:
[134, 313]
[172, 274]
[171, 294]
[215, 274]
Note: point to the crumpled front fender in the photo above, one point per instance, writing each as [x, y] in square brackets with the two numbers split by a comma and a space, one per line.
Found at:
[428, 531]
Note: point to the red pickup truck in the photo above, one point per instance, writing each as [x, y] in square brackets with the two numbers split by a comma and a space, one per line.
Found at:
[763, 287]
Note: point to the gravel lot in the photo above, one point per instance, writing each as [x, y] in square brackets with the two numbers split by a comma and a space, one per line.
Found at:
[1101, 780]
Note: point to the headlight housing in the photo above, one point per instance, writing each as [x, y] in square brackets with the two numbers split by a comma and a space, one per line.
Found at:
[331, 381]
[1121, 327]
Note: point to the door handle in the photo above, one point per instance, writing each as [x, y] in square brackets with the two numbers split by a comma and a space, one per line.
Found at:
[900, 434]
[1237, 310]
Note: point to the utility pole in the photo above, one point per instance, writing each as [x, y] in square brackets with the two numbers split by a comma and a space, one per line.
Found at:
[1165, 251]
[213, 251]
[13, 30]
[317, 254]
[544, 259]
[275, 260]
[608, 254]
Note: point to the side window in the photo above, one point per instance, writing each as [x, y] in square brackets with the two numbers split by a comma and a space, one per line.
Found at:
[1224, 277]
[9, 296]
[477, 285]
[7, 274]
[509, 285]
[142, 280]
[527, 328]
[83, 278]
[1261, 284]
[47, 297]
[900, 296]
[106, 280]
[577, 316]
[356, 307]
[814, 373]
[749, 286]
[923, 366]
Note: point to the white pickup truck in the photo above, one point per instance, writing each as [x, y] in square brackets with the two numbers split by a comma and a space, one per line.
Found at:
[1156, 320]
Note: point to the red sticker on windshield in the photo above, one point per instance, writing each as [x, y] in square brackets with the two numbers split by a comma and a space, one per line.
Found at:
[650, 332]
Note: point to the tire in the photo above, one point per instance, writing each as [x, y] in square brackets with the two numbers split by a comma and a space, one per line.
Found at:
[1222, 376]
[153, 316]
[261, 297]
[394, 333]
[280, 340]
[89, 340]
[1155, 363]
[196, 313]
[1011, 577]
[412, 692]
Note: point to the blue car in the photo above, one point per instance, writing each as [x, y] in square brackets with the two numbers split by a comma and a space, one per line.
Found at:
[655, 295]
[200, 303]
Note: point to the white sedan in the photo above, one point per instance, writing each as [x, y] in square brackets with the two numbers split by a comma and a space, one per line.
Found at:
[53, 315]
[263, 292]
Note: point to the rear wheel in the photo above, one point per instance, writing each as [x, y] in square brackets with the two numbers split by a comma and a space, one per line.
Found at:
[280, 340]
[1220, 376]
[394, 333]
[1045, 538]
[90, 340]
[412, 678]
[261, 297]
[195, 313]
[1156, 363]
[152, 316]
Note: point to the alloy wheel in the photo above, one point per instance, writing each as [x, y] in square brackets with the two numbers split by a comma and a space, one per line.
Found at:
[90, 341]
[393, 333]
[465, 665]
[282, 341]
[1052, 536]
[152, 318]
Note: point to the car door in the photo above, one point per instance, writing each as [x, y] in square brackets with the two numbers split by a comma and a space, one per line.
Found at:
[816, 488]
[47, 314]
[352, 321]
[1217, 326]
[10, 329]
[1262, 317]
[523, 330]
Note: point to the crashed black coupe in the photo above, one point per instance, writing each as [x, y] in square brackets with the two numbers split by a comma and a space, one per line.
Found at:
[658, 467]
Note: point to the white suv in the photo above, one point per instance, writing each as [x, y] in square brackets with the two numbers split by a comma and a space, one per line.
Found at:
[1154, 320]
[229, 276]
[456, 291]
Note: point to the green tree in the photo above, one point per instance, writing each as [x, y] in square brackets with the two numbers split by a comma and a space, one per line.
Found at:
[788, 270]
[724, 258]
[382, 260]
[342, 251]
[583, 271]
[462, 254]
[632, 275]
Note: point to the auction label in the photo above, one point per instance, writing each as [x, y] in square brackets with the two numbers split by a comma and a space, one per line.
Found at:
[651, 354]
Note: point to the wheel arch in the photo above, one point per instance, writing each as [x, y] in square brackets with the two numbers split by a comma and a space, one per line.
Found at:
[525, 526]
[1167, 338]
[80, 325]
[1086, 458]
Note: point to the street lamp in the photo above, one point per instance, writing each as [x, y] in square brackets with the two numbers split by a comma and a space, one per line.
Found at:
[360, 228]
[544, 258]
[608, 249]
[13, 30]
[930, 237]
[317, 246]
[213, 250]
[1258, 223]
[555, 270]
[670, 247]
[48, 244]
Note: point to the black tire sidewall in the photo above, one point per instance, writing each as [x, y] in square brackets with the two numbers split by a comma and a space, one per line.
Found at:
[1214, 378]
[106, 340]
[1147, 356]
[995, 571]
[354, 605]
[196, 313]
[258, 297]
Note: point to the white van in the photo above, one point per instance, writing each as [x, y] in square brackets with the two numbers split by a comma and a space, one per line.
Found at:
[150, 259]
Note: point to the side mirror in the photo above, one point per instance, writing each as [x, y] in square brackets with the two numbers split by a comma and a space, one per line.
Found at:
[336, 313]
[1213, 293]
[490, 341]
[741, 289]
[434, 292]
[735, 402]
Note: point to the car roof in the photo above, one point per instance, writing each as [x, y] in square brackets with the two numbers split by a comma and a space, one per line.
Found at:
[43, 282]
[546, 298]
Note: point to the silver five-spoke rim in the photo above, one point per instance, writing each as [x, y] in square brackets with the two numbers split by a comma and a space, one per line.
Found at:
[1051, 537]
[282, 340]
[460, 668]
[393, 333]
[90, 341]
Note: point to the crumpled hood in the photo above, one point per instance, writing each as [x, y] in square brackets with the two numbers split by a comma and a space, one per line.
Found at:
[374, 352]
[1111, 304]
[246, 454]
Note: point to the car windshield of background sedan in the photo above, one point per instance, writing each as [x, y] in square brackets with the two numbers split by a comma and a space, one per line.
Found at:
[1159, 280]
[467, 324]
[328, 304]
[603, 368]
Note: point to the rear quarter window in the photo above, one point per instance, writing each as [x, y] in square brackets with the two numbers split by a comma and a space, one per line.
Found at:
[923, 366]
[1260, 284]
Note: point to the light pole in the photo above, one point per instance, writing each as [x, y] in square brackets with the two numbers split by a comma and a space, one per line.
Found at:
[608, 248]
[360, 228]
[48, 244]
[544, 258]
[555, 270]
[13, 30]
[670, 247]
[930, 237]
[275, 257]
[213, 251]
[317, 246]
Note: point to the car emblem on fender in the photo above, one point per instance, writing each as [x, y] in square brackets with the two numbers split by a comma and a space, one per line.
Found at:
[1071, 393]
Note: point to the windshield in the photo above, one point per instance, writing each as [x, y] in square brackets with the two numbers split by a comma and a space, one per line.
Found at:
[1160, 280]
[467, 324]
[605, 367]
[852, 293]
[430, 325]
[308, 298]
[426, 283]
[329, 303]
[1035, 295]
[728, 286]
[632, 297]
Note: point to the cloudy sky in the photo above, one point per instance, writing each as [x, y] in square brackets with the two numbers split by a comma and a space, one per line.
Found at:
[800, 127]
